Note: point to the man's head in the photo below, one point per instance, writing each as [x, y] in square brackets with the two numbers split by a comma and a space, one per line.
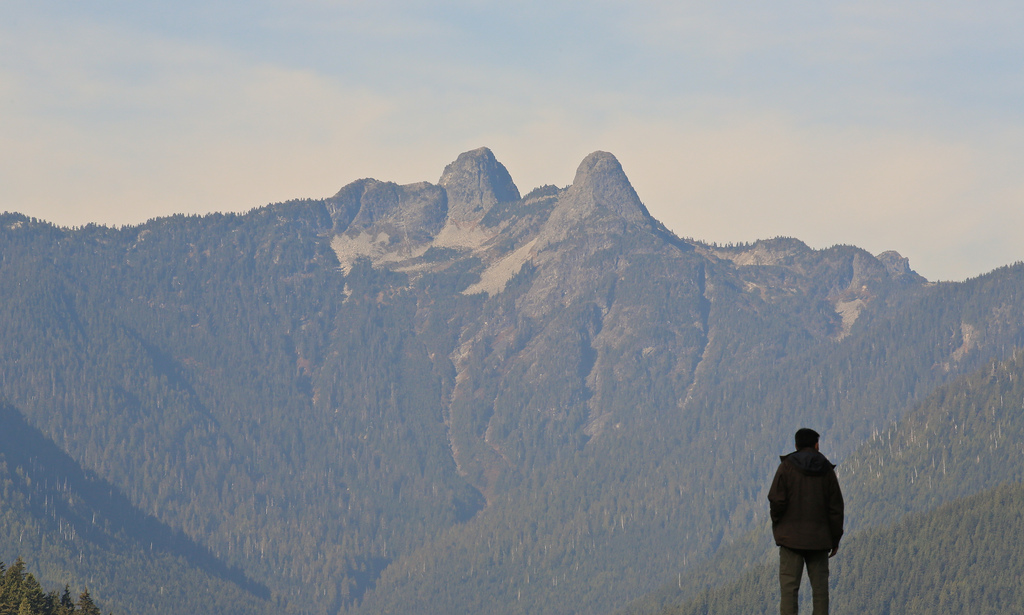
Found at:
[806, 438]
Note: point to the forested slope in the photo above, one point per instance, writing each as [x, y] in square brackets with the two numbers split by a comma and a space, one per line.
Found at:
[854, 388]
[960, 558]
[172, 361]
[75, 529]
[965, 438]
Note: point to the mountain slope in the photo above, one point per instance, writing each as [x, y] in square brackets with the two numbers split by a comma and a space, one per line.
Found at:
[959, 558]
[964, 439]
[73, 528]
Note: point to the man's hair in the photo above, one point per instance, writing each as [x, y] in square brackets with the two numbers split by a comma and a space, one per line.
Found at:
[806, 438]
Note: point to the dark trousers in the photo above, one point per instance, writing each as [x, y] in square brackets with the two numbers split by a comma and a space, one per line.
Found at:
[791, 569]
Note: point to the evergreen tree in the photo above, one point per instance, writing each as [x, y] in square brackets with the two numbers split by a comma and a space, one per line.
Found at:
[86, 605]
[11, 594]
[66, 605]
[33, 595]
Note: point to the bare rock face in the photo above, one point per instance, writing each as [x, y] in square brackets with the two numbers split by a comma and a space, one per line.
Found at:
[415, 212]
[600, 201]
[385, 222]
[895, 263]
[601, 182]
[475, 182]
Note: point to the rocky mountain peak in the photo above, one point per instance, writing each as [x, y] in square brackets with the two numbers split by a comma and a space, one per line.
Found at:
[411, 212]
[896, 263]
[600, 181]
[475, 182]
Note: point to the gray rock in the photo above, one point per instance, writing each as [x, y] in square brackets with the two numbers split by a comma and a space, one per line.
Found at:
[601, 182]
[895, 263]
[475, 182]
[414, 212]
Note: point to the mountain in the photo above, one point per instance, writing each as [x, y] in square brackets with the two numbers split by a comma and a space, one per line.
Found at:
[453, 397]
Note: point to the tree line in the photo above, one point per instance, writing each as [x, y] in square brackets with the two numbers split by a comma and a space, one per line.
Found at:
[21, 594]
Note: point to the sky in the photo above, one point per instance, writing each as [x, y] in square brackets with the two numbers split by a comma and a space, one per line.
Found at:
[894, 125]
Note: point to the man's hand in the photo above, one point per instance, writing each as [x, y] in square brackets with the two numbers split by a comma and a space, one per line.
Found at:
[835, 550]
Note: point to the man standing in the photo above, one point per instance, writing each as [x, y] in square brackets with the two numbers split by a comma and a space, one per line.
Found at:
[807, 521]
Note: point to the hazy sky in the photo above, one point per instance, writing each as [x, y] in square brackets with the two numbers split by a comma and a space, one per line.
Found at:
[886, 125]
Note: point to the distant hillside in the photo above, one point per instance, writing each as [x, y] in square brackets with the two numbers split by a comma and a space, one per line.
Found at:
[960, 558]
[963, 439]
[75, 529]
[455, 397]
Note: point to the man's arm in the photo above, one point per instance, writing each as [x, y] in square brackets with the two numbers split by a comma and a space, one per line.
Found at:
[835, 513]
[778, 496]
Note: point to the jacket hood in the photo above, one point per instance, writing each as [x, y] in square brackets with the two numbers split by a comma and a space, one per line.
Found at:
[809, 462]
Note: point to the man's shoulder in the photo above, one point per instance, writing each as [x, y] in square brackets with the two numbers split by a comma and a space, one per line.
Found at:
[809, 462]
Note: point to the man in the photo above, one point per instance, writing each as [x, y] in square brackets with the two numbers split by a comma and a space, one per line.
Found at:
[807, 521]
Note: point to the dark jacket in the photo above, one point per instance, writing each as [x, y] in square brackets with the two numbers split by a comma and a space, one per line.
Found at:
[806, 503]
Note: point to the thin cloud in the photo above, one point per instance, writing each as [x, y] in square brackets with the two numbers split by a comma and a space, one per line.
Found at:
[199, 131]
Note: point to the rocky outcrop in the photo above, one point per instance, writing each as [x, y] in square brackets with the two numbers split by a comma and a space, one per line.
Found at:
[601, 186]
[600, 201]
[896, 264]
[383, 221]
[601, 182]
[474, 183]
[414, 212]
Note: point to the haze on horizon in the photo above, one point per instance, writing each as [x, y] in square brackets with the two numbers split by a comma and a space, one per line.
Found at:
[890, 126]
